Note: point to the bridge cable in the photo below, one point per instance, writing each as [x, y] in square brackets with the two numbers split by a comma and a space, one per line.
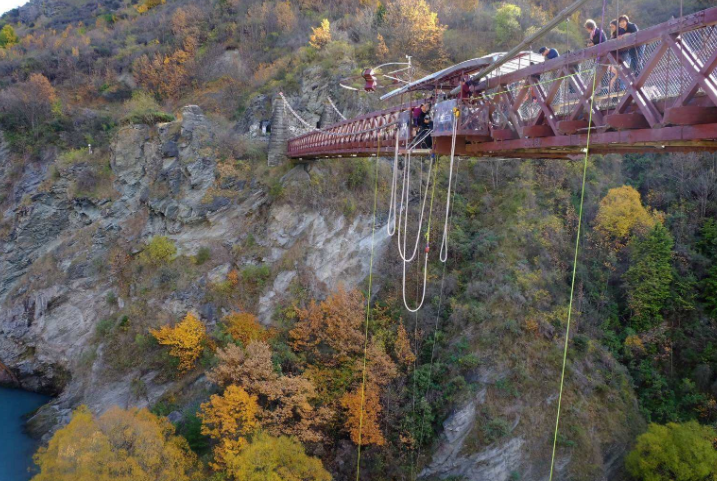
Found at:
[310, 127]
[575, 266]
[335, 109]
[368, 309]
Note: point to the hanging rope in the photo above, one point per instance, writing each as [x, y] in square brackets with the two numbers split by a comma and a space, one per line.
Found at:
[443, 255]
[572, 282]
[391, 223]
[368, 310]
[335, 109]
[428, 242]
[405, 194]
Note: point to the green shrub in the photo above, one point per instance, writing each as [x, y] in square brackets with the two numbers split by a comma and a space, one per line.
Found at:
[276, 189]
[203, 255]
[159, 251]
[359, 174]
[142, 108]
[256, 275]
[495, 429]
[104, 327]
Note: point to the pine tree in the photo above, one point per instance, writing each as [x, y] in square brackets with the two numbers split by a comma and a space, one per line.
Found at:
[649, 278]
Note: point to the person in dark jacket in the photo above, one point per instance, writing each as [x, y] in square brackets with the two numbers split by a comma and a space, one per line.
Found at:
[597, 36]
[423, 131]
[626, 28]
[422, 115]
[548, 53]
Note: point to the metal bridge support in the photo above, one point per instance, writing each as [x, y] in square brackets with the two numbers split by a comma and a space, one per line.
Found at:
[279, 133]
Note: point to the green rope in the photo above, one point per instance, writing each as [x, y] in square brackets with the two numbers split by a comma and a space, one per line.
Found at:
[368, 309]
[572, 283]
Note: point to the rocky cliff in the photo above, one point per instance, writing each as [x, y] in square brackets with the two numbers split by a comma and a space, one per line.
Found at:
[57, 251]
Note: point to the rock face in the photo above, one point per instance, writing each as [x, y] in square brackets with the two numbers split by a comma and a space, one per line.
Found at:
[54, 287]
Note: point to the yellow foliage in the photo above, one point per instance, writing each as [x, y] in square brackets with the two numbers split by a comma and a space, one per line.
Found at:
[268, 458]
[634, 342]
[185, 339]
[362, 419]
[285, 401]
[120, 445]
[413, 28]
[321, 35]
[228, 419]
[244, 327]
[149, 5]
[621, 214]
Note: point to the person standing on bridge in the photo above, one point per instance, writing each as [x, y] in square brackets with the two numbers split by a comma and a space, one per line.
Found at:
[416, 114]
[626, 28]
[548, 53]
[597, 36]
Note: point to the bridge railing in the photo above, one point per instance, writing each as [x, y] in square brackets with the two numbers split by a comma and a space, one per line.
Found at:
[671, 82]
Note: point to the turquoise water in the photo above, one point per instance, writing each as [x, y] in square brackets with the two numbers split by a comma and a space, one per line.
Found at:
[16, 448]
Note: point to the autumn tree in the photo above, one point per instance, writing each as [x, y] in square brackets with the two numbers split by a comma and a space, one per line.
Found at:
[321, 35]
[402, 347]
[186, 340]
[285, 401]
[119, 445]
[245, 328]
[228, 419]
[412, 28]
[329, 332]
[649, 278]
[30, 103]
[8, 37]
[164, 74]
[674, 452]
[285, 16]
[363, 408]
[268, 458]
[621, 215]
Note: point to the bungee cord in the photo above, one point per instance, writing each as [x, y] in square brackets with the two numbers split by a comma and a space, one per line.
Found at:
[443, 254]
[405, 194]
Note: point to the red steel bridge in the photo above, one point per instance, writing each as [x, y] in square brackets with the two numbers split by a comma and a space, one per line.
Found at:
[546, 110]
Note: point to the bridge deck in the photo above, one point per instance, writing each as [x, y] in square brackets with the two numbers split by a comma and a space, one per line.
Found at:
[669, 103]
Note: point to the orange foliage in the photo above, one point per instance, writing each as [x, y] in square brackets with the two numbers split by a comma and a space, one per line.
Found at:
[330, 331]
[285, 401]
[165, 75]
[363, 424]
[185, 339]
[402, 347]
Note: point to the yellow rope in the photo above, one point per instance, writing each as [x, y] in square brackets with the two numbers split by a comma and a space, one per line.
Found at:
[572, 283]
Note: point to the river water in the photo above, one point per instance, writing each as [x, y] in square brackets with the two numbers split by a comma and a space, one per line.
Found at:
[16, 447]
